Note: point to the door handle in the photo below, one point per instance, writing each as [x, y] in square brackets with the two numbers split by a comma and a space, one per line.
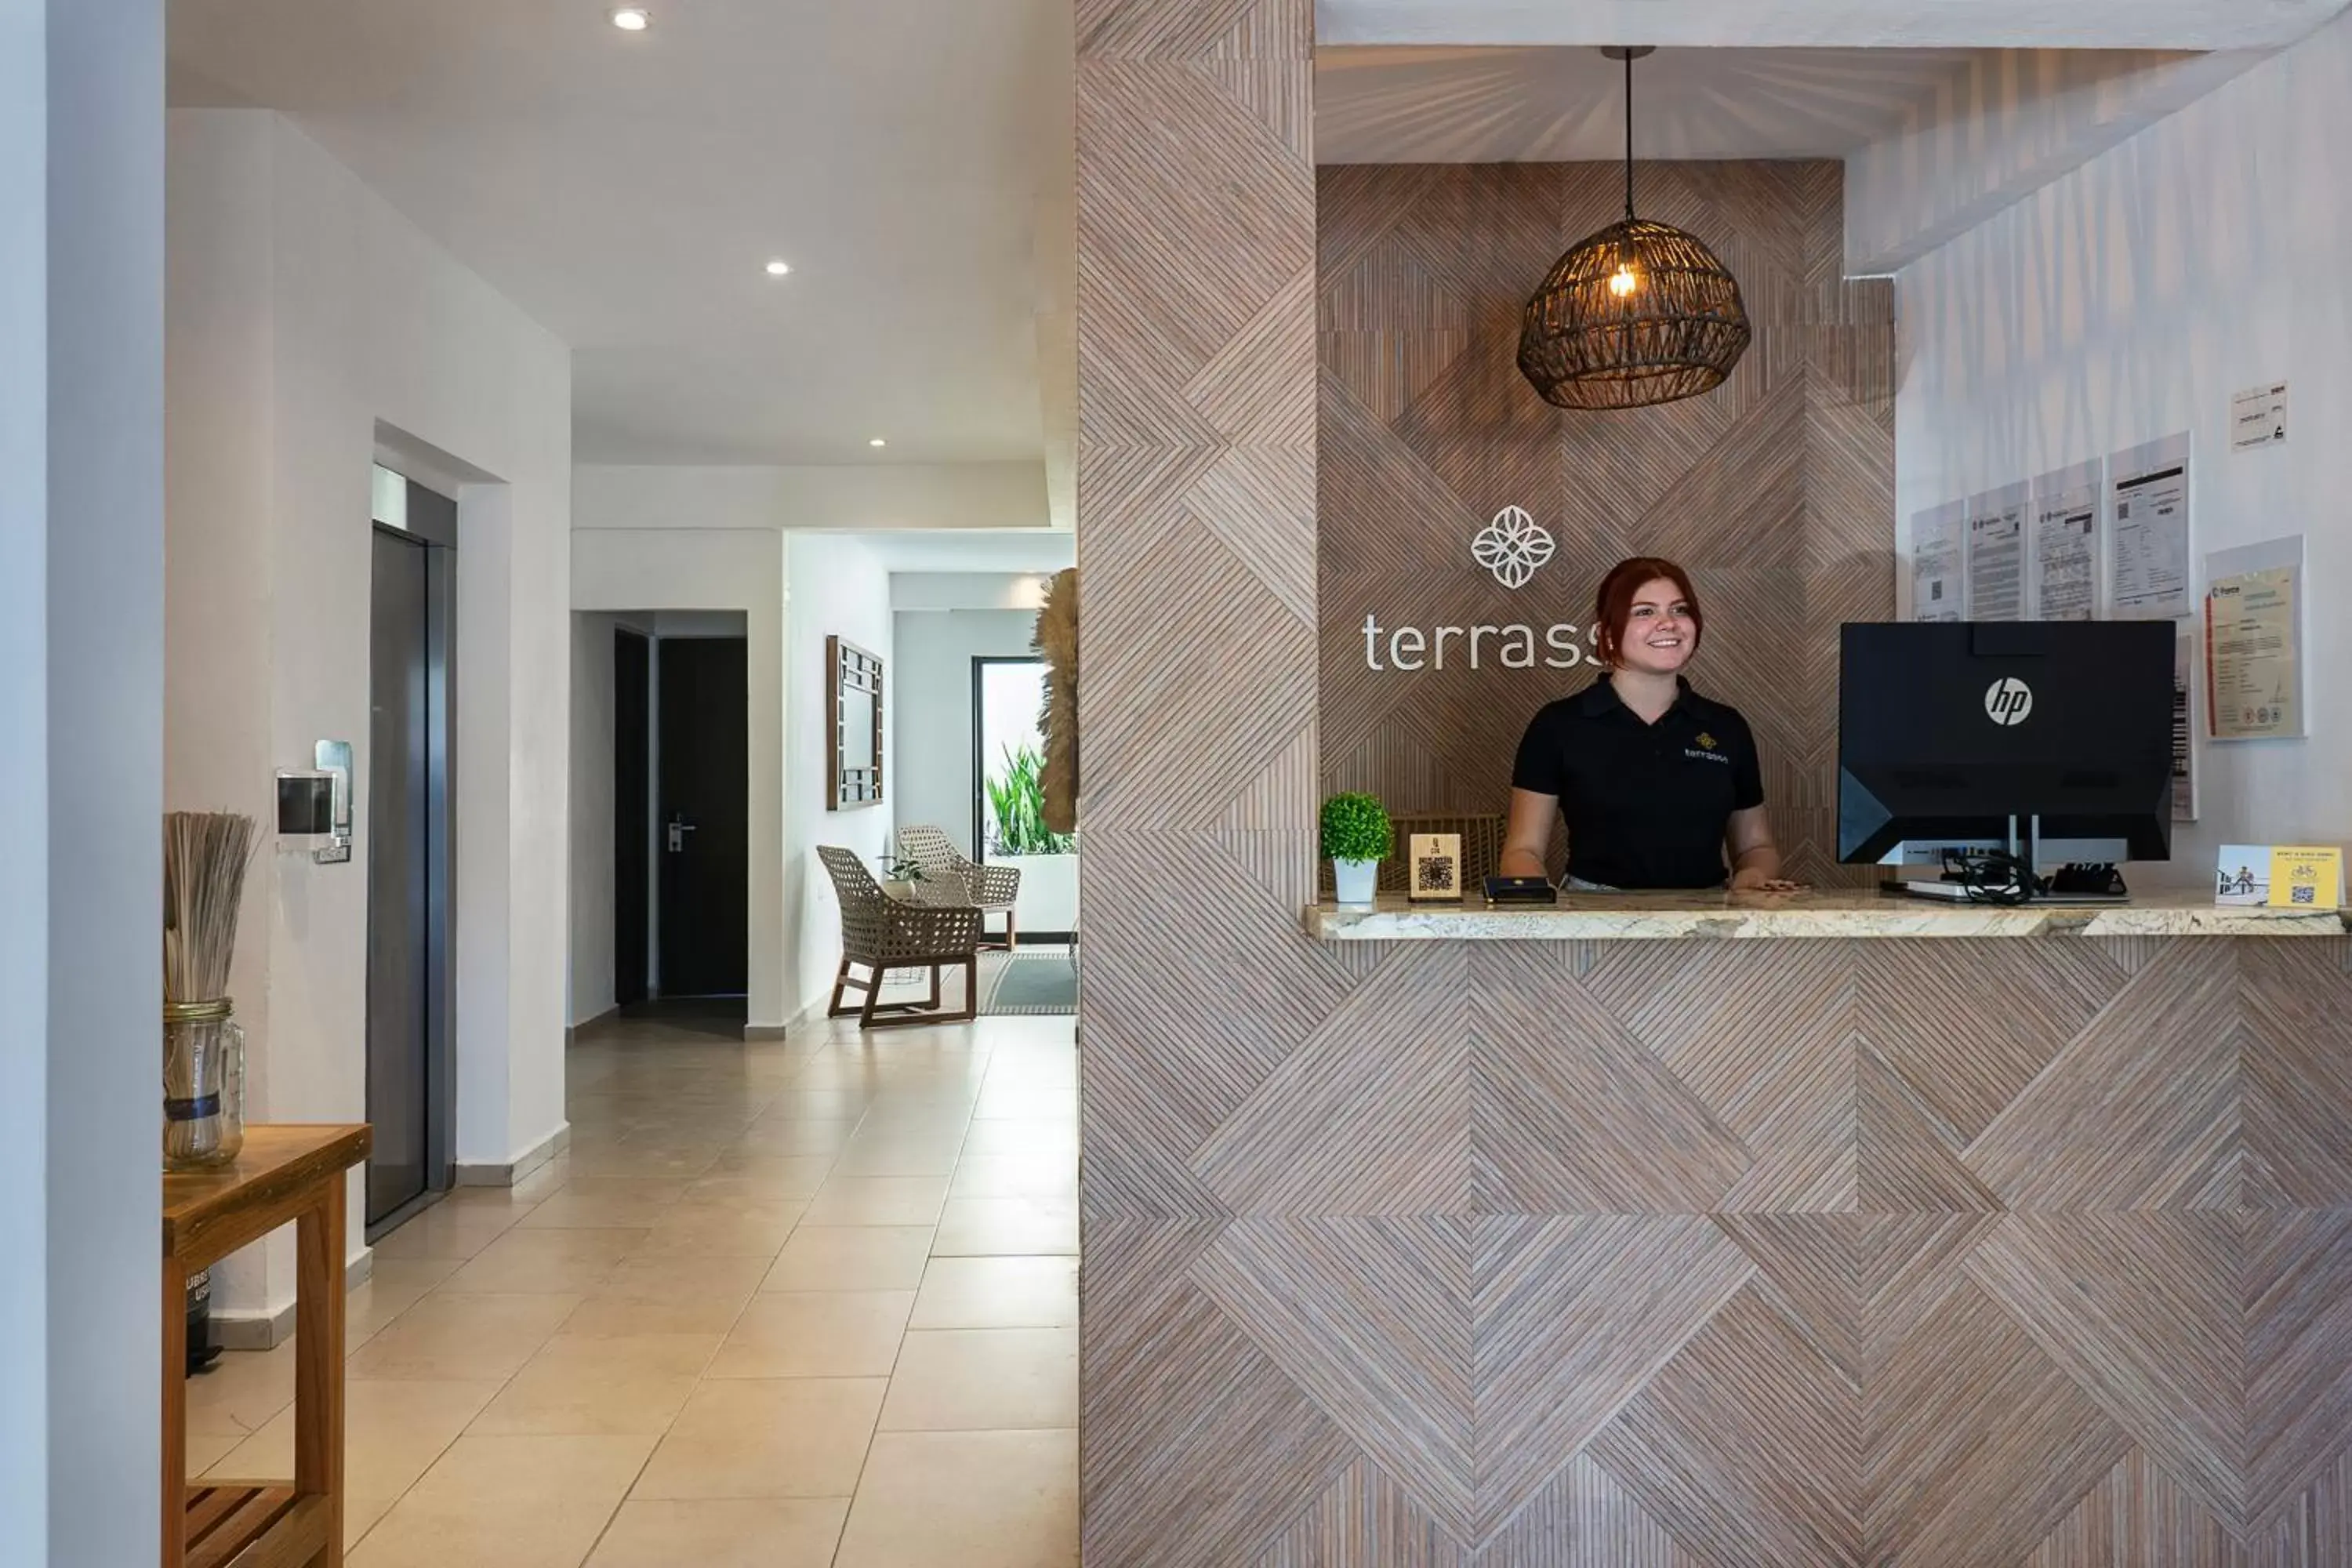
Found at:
[678, 828]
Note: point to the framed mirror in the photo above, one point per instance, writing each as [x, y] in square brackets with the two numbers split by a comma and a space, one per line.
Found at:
[853, 726]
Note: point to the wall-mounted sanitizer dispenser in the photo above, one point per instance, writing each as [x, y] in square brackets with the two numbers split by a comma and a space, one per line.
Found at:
[316, 802]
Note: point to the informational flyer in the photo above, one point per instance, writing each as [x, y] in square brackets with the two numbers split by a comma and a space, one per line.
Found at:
[2066, 544]
[2254, 641]
[2258, 417]
[2184, 723]
[2148, 535]
[1997, 555]
[2282, 875]
[1938, 537]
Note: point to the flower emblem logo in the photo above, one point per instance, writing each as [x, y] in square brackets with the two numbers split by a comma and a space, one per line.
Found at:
[1512, 547]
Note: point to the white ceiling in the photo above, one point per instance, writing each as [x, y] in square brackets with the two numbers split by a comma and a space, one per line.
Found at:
[987, 552]
[627, 189]
[911, 159]
[1829, 23]
[1433, 105]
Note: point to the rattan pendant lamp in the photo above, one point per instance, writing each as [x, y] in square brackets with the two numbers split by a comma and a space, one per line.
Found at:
[1638, 314]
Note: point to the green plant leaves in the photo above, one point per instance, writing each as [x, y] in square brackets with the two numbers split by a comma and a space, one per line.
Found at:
[1016, 801]
[1356, 827]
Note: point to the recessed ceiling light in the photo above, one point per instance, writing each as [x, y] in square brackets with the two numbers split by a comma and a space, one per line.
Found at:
[877, 441]
[633, 18]
[779, 269]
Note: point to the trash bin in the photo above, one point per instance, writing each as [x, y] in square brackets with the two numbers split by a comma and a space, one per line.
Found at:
[202, 1351]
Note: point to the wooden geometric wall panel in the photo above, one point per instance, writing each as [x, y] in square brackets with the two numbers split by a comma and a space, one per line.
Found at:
[1601, 1254]
[1777, 492]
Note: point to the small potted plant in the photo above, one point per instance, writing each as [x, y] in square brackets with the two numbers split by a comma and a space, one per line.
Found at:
[900, 874]
[1357, 837]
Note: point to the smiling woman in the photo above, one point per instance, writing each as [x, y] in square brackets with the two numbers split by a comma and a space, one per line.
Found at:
[1660, 786]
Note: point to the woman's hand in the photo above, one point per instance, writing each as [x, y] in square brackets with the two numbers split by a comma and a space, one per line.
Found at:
[1755, 861]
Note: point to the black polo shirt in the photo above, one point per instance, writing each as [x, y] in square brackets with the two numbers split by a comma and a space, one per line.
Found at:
[1646, 805]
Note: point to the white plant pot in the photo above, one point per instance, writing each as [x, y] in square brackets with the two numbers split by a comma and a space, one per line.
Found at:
[1356, 881]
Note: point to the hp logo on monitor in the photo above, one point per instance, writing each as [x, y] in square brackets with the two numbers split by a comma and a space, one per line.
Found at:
[2009, 701]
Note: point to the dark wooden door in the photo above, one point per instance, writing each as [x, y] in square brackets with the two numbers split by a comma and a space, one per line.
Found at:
[632, 814]
[705, 817]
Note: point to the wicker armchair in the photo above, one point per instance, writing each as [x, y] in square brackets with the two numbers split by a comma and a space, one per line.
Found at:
[992, 888]
[880, 933]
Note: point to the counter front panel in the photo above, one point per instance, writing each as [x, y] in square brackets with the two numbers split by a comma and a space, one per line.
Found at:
[1857, 1250]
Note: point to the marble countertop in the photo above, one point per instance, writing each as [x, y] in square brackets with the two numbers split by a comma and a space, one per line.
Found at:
[1658, 916]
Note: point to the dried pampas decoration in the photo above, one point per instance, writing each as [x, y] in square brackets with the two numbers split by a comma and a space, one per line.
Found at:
[206, 854]
[1057, 639]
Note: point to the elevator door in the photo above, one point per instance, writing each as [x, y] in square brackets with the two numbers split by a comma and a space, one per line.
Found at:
[407, 808]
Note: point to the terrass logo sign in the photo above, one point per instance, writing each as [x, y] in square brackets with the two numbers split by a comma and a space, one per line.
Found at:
[1514, 548]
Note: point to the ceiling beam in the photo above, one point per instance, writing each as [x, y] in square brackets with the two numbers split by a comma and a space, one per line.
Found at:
[1829, 23]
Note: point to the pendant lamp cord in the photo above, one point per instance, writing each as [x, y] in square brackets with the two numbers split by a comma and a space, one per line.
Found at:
[1629, 135]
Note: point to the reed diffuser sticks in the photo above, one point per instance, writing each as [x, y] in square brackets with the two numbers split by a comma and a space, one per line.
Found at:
[206, 854]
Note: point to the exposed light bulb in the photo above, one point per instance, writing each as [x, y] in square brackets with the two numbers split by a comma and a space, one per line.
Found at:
[779, 269]
[1624, 281]
[633, 18]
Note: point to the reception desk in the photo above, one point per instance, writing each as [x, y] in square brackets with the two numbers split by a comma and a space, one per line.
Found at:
[1613, 917]
[1777, 1230]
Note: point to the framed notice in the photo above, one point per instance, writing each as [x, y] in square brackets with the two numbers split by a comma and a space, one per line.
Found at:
[1939, 543]
[2148, 532]
[1997, 555]
[2253, 642]
[2068, 540]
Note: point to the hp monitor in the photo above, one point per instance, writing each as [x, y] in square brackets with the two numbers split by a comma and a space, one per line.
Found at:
[1965, 735]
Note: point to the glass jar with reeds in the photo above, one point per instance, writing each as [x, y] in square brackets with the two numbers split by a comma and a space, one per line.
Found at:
[205, 859]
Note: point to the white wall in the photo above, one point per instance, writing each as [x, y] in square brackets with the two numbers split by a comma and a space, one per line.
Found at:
[2005, 123]
[887, 496]
[24, 771]
[670, 569]
[839, 588]
[592, 865]
[2128, 300]
[306, 319]
[81, 266]
[931, 733]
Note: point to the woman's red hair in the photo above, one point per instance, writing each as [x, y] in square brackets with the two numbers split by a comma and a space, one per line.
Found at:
[1612, 606]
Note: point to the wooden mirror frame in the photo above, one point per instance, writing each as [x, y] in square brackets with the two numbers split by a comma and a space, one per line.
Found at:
[848, 668]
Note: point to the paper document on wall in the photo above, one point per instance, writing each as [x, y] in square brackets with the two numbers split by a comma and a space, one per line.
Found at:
[1938, 537]
[2066, 544]
[1997, 555]
[2184, 723]
[2149, 532]
[2254, 637]
[2258, 417]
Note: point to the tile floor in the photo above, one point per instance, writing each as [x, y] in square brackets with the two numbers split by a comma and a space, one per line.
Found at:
[790, 1303]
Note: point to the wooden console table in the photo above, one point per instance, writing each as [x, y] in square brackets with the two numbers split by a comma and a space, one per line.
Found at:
[283, 1172]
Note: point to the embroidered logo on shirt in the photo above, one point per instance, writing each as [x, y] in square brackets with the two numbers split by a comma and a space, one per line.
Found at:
[1696, 755]
[1706, 739]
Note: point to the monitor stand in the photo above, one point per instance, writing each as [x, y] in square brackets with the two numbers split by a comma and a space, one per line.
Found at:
[1958, 893]
[2071, 885]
